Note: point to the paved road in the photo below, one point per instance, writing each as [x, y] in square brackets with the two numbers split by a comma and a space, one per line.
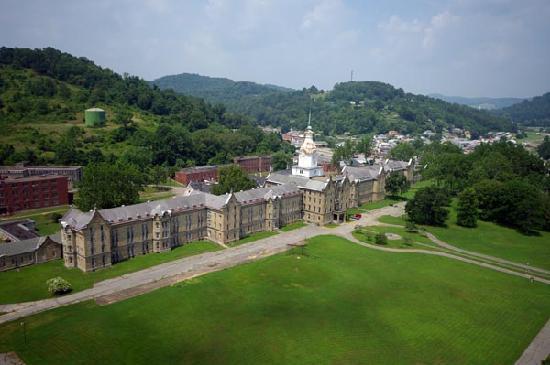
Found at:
[538, 350]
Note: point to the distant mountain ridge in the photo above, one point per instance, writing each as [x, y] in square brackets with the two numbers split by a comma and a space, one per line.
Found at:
[215, 89]
[534, 112]
[485, 103]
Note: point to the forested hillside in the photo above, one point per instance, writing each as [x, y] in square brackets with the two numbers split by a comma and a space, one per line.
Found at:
[355, 107]
[215, 89]
[43, 93]
[479, 103]
[535, 112]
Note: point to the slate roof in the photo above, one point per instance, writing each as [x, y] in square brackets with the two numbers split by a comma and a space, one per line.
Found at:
[18, 229]
[362, 173]
[285, 177]
[395, 165]
[26, 246]
[194, 199]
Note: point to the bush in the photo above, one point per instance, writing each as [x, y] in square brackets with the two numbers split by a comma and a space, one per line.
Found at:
[381, 239]
[58, 286]
[407, 241]
[410, 226]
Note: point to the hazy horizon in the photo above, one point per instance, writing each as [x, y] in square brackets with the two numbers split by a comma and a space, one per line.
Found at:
[494, 48]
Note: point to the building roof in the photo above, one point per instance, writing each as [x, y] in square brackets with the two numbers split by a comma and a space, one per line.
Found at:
[194, 199]
[198, 169]
[26, 246]
[19, 230]
[362, 173]
[32, 178]
[95, 110]
[395, 165]
[285, 177]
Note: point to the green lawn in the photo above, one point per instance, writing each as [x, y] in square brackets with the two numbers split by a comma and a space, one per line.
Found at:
[293, 226]
[44, 222]
[30, 282]
[154, 193]
[367, 234]
[253, 237]
[492, 239]
[341, 304]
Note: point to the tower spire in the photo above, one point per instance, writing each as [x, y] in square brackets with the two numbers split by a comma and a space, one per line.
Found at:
[309, 119]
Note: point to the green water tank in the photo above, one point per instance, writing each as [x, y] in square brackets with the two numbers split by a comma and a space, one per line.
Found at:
[94, 117]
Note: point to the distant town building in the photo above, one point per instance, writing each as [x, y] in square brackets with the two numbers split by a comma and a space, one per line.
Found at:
[293, 137]
[253, 164]
[32, 192]
[30, 251]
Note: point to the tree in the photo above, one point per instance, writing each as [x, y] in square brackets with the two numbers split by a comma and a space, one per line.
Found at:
[428, 206]
[467, 208]
[396, 183]
[381, 239]
[105, 185]
[232, 178]
[544, 149]
[280, 160]
[403, 151]
[58, 286]
[364, 145]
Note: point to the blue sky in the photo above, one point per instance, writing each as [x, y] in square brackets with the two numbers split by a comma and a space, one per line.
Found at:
[454, 47]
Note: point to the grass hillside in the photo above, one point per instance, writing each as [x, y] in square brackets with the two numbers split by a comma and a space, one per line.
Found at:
[341, 304]
[43, 95]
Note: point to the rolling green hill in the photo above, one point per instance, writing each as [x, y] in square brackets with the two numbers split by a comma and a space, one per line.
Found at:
[535, 112]
[479, 103]
[44, 92]
[355, 107]
[215, 89]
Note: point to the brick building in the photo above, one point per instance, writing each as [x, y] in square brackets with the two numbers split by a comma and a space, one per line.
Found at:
[32, 192]
[253, 164]
[197, 174]
[73, 173]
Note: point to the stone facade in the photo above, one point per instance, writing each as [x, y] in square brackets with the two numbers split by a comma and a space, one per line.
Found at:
[28, 252]
[99, 238]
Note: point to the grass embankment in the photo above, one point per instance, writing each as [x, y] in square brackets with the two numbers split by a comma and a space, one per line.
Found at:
[43, 218]
[293, 226]
[340, 304]
[491, 239]
[253, 237]
[29, 283]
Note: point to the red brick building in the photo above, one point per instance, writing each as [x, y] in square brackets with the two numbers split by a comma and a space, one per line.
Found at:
[253, 164]
[197, 173]
[32, 192]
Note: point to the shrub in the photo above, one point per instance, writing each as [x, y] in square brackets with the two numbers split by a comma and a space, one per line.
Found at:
[381, 239]
[407, 241]
[410, 226]
[58, 286]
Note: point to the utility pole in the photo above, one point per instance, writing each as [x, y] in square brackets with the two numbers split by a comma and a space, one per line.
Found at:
[351, 78]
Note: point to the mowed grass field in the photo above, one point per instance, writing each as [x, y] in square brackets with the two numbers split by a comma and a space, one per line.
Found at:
[29, 283]
[491, 239]
[341, 304]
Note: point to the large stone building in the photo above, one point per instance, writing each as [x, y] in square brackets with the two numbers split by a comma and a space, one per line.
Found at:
[99, 238]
